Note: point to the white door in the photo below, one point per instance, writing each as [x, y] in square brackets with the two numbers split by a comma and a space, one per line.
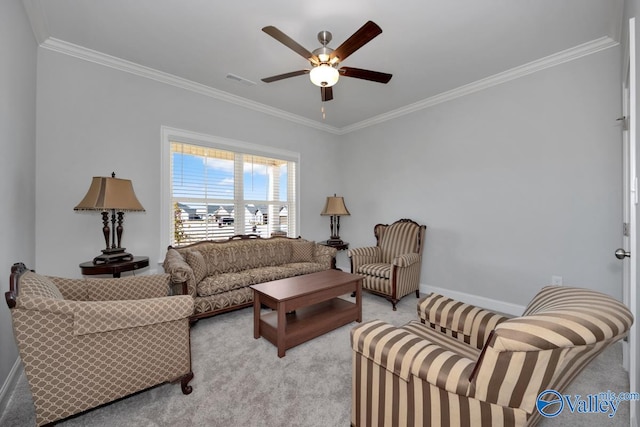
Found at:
[628, 252]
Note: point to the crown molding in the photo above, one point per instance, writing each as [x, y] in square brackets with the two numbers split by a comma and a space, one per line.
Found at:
[96, 57]
[494, 80]
[100, 58]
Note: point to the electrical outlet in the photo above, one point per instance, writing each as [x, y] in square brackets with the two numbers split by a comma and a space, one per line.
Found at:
[556, 280]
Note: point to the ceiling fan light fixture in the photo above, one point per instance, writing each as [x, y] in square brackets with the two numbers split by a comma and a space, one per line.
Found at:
[324, 75]
[324, 54]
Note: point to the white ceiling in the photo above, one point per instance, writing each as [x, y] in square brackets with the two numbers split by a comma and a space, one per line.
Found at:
[434, 48]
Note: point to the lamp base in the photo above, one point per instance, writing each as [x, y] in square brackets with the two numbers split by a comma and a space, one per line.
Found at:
[112, 255]
[335, 241]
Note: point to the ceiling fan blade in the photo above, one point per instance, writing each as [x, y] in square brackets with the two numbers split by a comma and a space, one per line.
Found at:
[326, 93]
[290, 43]
[364, 35]
[359, 73]
[285, 76]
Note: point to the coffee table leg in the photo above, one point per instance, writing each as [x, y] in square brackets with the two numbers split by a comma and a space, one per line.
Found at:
[256, 314]
[359, 299]
[282, 325]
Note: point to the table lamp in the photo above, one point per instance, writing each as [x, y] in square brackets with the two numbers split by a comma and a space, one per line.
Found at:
[335, 208]
[115, 195]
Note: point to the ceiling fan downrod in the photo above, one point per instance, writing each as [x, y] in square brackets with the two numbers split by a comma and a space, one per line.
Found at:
[324, 53]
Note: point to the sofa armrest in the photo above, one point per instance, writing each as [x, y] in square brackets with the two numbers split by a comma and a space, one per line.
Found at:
[361, 256]
[324, 255]
[102, 316]
[128, 288]
[405, 354]
[444, 369]
[181, 273]
[372, 252]
[388, 346]
[464, 321]
[46, 305]
[405, 260]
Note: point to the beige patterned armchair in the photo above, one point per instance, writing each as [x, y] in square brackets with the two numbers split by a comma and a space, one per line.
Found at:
[465, 366]
[86, 342]
[392, 267]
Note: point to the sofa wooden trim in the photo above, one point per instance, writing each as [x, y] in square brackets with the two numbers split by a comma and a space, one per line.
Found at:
[17, 270]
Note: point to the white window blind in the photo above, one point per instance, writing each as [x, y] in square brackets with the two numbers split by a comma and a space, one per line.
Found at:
[217, 193]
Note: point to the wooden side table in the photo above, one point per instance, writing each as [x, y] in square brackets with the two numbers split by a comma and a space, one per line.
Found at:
[341, 247]
[114, 268]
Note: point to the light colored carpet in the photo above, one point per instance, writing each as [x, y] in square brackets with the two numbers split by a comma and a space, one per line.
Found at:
[240, 381]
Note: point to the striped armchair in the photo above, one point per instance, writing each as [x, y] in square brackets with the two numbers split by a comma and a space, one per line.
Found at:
[392, 267]
[462, 365]
[86, 342]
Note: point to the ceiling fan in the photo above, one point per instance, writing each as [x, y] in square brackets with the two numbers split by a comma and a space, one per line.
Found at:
[324, 61]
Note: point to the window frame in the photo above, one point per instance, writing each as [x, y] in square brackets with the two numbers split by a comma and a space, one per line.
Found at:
[169, 134]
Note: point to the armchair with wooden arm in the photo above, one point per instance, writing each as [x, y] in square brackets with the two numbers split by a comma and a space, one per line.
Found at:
[391, 268]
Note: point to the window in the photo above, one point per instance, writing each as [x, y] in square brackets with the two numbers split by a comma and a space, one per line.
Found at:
[219, 188]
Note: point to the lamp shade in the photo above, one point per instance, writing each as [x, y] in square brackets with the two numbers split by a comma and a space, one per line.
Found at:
[335, 206]
[107, 193]
[324, 75]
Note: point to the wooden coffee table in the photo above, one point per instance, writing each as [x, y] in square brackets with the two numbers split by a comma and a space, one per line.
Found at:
[306, 307]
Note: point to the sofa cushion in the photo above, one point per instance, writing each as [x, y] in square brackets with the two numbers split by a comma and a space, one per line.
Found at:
[302, 251]
[299, 268]
[267, 274]
[217, 259]
[197, 263]
[219, 283]
[445, 341]
[36, 285]
[240, 255]
[399, 238]
[376, 269]
[236, 298]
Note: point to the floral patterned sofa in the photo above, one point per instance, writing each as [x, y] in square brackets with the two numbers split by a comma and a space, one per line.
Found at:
[217, 274]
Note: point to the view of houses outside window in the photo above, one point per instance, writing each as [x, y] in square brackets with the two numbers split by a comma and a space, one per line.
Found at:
[218, 193]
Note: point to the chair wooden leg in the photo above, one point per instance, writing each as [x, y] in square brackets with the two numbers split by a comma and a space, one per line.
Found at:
[184, 383]
[417, 293]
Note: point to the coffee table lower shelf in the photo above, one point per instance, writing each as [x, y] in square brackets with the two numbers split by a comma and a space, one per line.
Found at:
[310, 322]
[306, 307]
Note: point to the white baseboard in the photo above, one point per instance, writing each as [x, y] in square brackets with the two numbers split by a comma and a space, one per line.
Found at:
[10, 384]
[484, 302]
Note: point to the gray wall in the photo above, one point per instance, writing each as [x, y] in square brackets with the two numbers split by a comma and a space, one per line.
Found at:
[17, 161]
[516, 183]
[93, 120]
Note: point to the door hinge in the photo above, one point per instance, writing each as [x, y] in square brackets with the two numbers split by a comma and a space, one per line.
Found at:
[625, 229]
